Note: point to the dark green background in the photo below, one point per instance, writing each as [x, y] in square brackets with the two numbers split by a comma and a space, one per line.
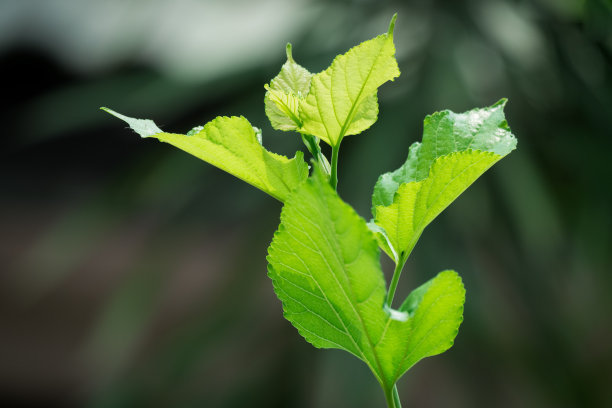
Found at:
[133, 275]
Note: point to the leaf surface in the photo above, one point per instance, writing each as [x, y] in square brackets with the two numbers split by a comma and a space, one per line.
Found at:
[456, 150]
[231, 144]
[324, 264]
[342, 99]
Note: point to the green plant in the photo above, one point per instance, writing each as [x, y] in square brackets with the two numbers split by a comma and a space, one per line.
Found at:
[324, 258]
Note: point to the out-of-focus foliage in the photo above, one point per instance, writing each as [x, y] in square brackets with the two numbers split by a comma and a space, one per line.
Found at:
[118, 289]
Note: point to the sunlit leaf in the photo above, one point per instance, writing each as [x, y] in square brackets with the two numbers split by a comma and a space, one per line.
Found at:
[231, 144]
[342, 99]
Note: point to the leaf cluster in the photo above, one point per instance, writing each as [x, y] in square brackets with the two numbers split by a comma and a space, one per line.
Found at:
[324, 259]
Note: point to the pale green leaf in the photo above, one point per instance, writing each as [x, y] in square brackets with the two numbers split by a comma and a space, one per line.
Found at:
[231, 144]
[456, 150]
[284, 94]
[342, 99]
[324, 264]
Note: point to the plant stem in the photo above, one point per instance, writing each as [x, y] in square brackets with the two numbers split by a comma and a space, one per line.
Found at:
[334, 166]
[392, 398]
[396, 275]
[403, 257]
[396, 398]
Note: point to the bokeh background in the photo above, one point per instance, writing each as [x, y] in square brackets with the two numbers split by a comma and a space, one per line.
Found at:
[134, 275]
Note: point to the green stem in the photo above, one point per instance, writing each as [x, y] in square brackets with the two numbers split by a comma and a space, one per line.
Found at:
[396, 275]
[334, 166]
[392, 398]
[396, 398]
[403, 257]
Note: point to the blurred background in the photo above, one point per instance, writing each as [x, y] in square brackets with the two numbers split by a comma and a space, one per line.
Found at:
[132, 274]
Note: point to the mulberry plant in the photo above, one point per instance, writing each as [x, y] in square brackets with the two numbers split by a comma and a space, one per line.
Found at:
[324, 259]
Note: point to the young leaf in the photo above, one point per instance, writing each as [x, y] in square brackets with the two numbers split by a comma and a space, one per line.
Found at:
[231, 144]
[456, 150]
[342, 99]
[324, 264]
[285, 93]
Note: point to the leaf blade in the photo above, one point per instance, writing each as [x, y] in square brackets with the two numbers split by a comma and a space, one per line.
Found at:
[435, 312]
[231, 144]
[416, 204]
[448, 132]
[342, 99]
[335, 254]
[456, 149]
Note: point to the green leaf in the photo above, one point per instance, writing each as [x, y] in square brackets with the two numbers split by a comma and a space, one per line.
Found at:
[456, 150]
[435, 312]
[342, 99]
[324, 264]
[285, 93]
[231, 144]
[447, 132]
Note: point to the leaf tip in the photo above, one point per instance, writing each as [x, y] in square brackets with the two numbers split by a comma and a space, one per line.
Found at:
[115, 114]
[392, 25]
[502, 102]
[110, 111]
[289, 51]
[144, 127]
